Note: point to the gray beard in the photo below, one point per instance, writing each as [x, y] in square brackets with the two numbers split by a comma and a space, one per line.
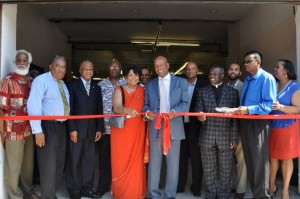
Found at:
[23, 72]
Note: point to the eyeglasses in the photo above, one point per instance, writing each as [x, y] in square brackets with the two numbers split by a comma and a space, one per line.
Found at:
[21, 61]
[249, 61]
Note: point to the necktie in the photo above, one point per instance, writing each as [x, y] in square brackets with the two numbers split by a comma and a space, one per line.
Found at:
[63, 96]
[87, 88]
[163, 96]
[245, 93]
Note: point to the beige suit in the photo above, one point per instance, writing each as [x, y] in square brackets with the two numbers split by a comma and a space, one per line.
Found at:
[241, 170]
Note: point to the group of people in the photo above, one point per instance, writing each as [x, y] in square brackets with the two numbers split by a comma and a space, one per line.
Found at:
[219, 148]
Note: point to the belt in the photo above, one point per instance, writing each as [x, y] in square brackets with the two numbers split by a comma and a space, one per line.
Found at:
[56, 121]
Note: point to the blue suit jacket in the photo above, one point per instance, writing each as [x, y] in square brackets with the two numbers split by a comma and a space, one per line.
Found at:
[178, 102]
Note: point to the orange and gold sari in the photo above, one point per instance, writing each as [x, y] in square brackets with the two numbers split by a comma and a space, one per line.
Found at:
[127, 152]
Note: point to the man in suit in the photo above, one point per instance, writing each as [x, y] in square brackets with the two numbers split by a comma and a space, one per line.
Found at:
[85, 99]
[218, 136]
[239, 169]
[189, 146]
[165, 94]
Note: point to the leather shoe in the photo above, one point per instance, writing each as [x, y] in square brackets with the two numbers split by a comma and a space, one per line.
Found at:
[180, 190]
[239, 195]
[194, 192]
[32, 196]
[90, 194]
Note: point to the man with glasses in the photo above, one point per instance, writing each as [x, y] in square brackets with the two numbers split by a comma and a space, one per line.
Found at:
[49, 96]
[107, 87]
[257, 96]
[85, 99]
[16, 135]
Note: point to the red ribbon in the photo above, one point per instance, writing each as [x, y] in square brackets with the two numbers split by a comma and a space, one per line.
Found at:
[166, 130]
[256, 117]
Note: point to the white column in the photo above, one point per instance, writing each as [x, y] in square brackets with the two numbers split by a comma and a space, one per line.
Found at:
[8, 47]
[297, 21]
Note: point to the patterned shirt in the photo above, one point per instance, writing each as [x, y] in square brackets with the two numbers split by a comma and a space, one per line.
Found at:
[14, 92]
[107, 91]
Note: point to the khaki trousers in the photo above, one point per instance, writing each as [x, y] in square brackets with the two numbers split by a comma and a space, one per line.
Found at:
[241, 170]
[18, 167]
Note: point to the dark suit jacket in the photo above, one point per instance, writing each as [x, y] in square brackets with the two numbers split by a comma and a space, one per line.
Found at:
[83, 104]
[194, 124]
[222, 131]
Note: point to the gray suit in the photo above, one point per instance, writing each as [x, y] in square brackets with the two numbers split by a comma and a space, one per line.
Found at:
[178, 102]
[215, 138]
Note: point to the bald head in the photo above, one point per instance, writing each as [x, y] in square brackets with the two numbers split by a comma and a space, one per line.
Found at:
[161, 66]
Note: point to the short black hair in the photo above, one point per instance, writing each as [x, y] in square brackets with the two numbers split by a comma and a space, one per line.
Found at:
[290, 69]
[136, 70]
[217, 66]
[257, 55]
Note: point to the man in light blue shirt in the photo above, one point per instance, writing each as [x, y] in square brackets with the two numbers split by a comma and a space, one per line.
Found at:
[49, 96]
[257, 96]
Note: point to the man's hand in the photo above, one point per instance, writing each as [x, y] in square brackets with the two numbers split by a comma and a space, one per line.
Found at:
[40, 139]
[151, 115]
[171, 115]
[3, 139]
[202, 118]
[98, 136]
[233, 146]
[242, 110]
[73, 136]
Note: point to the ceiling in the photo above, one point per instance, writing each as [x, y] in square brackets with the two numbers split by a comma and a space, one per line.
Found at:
[151, 27]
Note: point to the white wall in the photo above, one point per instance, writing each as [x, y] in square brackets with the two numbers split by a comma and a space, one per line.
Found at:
[40, 37]
[8, 47]
[269, 29]
[8, 42]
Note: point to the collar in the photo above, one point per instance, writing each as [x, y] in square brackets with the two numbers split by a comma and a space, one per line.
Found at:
[84, 81]
[235, 84]
[167, 77]
[257, 74]
[217, 85]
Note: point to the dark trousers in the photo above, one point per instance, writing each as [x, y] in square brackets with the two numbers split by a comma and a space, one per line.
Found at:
[80, 166]
[51, 158]
[190, 148]
[104, 165]
[217, 165]
[255, 141]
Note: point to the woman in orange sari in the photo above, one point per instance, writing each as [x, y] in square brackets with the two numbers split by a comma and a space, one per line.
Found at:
[127, 143]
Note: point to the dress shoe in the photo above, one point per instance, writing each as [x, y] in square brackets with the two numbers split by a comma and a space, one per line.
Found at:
[32, 196]
[195, 193]
[90, 194]
[180, 190]
[239, 195]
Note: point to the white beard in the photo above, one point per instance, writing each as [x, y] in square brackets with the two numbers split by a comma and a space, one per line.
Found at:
[22, 71]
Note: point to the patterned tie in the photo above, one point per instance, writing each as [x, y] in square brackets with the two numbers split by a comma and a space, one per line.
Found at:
[63, 96]
[163, 96]
[87, 88]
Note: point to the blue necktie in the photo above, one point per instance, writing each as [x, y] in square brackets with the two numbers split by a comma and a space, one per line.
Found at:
[245, 93]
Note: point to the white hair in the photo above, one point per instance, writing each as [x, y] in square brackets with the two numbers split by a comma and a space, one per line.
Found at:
[23, 52]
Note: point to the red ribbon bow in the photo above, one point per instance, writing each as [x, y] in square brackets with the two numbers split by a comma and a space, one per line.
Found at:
[166, 130]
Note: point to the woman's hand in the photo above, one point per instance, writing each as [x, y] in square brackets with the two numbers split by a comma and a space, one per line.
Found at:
[131, 112]
[277, 106]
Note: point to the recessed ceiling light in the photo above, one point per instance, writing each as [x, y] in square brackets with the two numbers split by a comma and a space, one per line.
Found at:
[213, 11]
[62, 10]
[135, 10]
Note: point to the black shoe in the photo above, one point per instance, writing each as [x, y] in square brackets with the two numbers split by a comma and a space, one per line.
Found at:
[239, 195]
[90, 194]
[195, 193]
[180, 190]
